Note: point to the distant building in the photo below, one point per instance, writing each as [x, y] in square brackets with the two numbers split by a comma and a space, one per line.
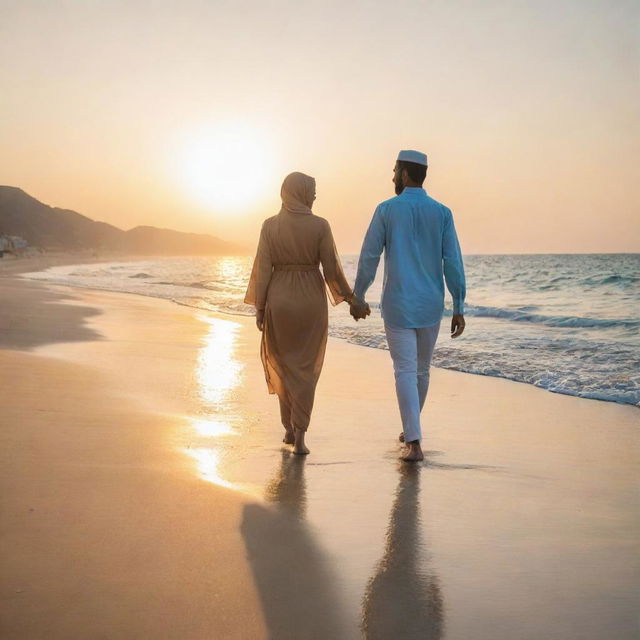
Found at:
[5, 244]
[12, 244]
[18, 242]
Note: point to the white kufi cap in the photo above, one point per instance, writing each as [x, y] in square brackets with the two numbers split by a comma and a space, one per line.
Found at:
[413, 156]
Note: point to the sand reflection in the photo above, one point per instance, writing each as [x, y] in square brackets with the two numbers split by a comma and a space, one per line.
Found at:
[212, 428]
[403, 598]
[288, 488]
[218, 373]
[208, 462]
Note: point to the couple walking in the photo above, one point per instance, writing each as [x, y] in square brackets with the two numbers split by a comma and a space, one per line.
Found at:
[419, 239]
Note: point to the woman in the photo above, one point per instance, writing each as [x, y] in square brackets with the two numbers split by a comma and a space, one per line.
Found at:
[288, 291]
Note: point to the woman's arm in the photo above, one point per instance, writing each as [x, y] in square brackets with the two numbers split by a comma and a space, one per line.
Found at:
[337, 284]
[260, 278]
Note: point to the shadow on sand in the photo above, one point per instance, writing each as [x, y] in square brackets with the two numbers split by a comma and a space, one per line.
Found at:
[298, 589]
[403, 599]
[296, 586]
[33, 315]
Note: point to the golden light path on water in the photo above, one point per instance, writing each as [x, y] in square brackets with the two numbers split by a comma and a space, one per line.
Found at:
[217, 374]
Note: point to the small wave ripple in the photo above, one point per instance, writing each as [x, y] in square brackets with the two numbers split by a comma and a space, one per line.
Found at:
[599, 371]
[523, 315]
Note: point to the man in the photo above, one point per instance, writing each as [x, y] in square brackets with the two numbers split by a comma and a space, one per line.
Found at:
[420, 244]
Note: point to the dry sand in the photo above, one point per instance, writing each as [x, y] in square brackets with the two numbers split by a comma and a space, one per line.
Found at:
[146, 494]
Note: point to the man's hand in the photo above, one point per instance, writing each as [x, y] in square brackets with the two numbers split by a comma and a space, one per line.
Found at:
[359, 309]
[260, 319]
[457, 325]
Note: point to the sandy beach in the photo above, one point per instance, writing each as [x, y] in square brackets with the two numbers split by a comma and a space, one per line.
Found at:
[146, 493]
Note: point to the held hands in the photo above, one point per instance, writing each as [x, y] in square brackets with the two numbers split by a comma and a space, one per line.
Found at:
[457, 325]
[358, 309]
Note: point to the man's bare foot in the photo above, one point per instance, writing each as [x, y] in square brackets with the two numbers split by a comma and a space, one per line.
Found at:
[299, 446]
[289, 437]
[401, 436]
[413, 452]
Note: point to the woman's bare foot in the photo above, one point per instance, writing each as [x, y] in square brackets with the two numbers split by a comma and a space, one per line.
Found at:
[289, 437]
[299, 446]
[413, 452]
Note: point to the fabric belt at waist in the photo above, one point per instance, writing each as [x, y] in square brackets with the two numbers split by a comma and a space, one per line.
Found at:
[295, 267]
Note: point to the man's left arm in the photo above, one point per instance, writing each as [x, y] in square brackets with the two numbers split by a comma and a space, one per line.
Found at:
[370, 253]
[453, 268]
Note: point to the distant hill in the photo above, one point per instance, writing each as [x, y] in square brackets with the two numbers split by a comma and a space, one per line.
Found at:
[61, 229]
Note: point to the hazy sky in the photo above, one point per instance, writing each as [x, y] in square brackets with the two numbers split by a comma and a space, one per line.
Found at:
[188, 114]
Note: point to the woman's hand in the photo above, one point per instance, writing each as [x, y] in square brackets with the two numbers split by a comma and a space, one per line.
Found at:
[260, 319]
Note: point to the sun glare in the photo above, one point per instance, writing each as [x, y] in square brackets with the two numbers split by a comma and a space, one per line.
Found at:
[228, 166]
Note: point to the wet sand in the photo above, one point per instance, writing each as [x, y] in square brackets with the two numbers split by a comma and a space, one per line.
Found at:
[146, 492]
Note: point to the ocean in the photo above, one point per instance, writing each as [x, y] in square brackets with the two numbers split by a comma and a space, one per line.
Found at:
[567, 323]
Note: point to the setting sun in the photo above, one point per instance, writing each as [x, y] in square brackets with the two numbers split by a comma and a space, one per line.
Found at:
[227, 166]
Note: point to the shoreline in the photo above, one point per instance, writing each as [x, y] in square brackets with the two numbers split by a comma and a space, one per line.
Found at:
[71, 259]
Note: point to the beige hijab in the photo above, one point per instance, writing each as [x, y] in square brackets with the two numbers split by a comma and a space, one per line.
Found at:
[297, 193]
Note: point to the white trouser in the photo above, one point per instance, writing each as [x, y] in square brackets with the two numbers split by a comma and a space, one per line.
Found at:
[411, 351]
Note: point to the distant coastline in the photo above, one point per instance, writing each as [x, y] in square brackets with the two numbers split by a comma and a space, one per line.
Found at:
[51, 228]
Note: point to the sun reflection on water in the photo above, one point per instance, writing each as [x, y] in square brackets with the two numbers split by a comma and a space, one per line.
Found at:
[231, 269]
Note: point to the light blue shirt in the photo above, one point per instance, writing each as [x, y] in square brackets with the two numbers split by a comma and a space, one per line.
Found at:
[420, 247]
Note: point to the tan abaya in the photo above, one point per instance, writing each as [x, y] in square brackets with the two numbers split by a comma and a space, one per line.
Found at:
[287, 284]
